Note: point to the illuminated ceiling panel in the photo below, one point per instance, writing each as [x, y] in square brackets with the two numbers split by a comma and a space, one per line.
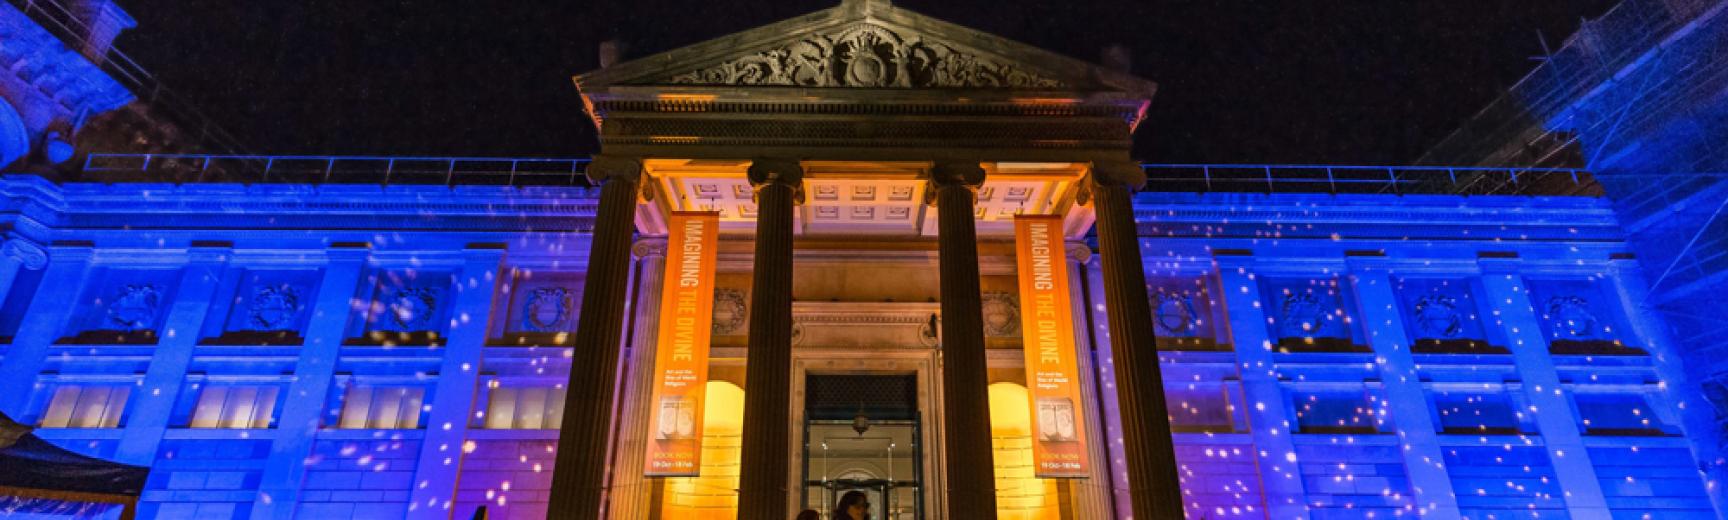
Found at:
[861, 199]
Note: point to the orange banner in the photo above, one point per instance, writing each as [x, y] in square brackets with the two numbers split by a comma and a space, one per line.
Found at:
[1047, 326]
[681, 358]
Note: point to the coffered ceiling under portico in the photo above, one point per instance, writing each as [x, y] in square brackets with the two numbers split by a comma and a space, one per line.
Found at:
[862, 199]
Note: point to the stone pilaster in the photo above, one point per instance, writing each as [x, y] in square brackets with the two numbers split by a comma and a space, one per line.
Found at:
[1269, 422]
[966, 438]
[1092, 494]
[153, 403]
[765, 472]
[452, 401]
[17, 254]
[302, 412]
[44, 322]
[1418, 440]
[1682, 393]
[1509, 298]
[579, 474]
[629, 490]
[1155, 486]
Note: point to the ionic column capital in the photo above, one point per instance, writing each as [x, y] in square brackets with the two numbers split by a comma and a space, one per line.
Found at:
[775, 171]
[966, 175]
[28, 254]
[1126, 174]
[647, 247]
[963, 173]
[606, 168]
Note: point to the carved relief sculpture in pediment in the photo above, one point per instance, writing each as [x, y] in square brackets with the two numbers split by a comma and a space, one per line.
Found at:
[867, 55]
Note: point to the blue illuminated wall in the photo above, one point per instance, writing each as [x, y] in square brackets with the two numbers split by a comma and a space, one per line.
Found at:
[363, 351]
[284, 299]
[1326, 356]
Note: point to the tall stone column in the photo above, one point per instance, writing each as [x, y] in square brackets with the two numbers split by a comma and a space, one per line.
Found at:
[1418, 440]
[44, 322]
[1155, 487]
[966, 446]
[1509, 297]
[765, 457]
[17, 254]
[629, 489]
[153, 403]
[452, 402]
[1092, 494]
[302, 413]
[579, 476]
[1269, 421]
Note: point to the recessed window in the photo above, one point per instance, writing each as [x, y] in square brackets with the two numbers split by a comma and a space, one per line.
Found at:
[525, 408]
[1201, 408]
[81, 406]
[1618, 414]
[1478, 413]
[1339, 411]
[238, 407]
[382, 407]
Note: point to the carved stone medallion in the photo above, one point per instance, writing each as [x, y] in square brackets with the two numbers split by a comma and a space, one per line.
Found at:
[729, 311]
[1437, 317]
[1001, 315]
[273, 307]
[1570, 317]
[1304, 313]
[134, 308]
[411, 308]
[1174, 314]
[547, 309]
[868, 55]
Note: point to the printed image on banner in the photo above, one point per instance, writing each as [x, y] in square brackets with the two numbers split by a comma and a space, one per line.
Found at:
[1058, 428]
[681, 357]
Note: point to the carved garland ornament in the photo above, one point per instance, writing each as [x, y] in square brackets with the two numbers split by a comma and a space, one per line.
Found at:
[1437, 316]
[729, 311]
[412, 307]
[867, 55]
[548, 309]
[1570, 317]
[273, 307]
[1001, 315]
[134, 308]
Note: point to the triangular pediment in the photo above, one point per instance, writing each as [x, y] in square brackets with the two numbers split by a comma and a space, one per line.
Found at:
[866, 44]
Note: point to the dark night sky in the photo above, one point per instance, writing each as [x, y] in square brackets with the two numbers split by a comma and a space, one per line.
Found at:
[1291, 81]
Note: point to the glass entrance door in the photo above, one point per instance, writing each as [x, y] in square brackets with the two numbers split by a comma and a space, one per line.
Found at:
[862, 433]
[882, 462]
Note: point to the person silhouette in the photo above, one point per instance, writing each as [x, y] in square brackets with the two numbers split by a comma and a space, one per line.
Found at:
[854, 505]
[809, 514]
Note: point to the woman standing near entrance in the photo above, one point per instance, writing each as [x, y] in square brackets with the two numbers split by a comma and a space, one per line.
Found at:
[853, 506]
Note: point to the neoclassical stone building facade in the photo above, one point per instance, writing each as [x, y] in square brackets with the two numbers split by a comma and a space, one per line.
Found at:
[331, 337]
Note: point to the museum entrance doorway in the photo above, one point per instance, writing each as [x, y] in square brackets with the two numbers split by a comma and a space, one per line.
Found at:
[863, 433]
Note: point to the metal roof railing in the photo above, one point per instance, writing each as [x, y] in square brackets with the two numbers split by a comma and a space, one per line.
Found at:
[334, 169]
[518, 171]
[1396, 180]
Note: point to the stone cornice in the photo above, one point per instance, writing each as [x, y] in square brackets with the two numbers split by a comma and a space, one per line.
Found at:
[249, 209]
